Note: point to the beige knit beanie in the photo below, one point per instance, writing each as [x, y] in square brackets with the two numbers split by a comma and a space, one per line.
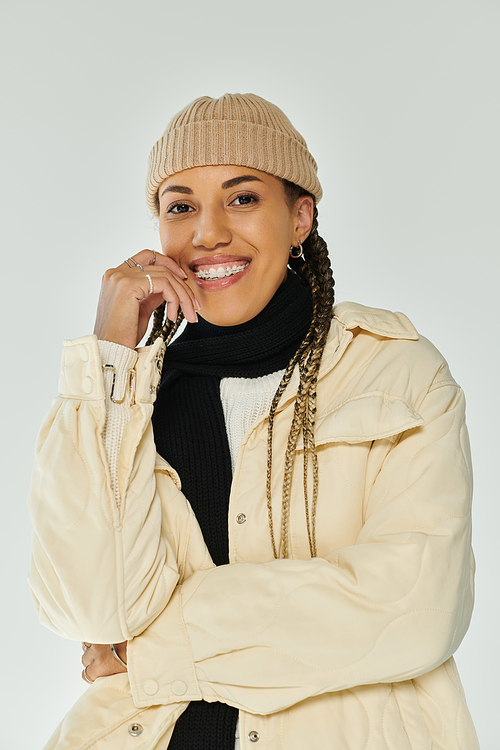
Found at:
[240, 129]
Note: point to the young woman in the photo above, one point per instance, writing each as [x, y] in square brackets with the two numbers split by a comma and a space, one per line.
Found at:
[261, 531]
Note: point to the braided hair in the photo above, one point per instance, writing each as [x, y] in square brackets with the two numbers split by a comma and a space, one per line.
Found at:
[315, 271]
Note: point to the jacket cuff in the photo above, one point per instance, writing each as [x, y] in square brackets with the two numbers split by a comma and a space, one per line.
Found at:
[82, 372]
[171, 678]
[148, 371]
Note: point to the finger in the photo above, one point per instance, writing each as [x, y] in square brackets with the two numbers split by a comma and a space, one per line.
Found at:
[175, 293]
[86, 677]
[92, 662]
[146, 258]
[87, 659]
[172, 311]
[170, 263]
[91, 653]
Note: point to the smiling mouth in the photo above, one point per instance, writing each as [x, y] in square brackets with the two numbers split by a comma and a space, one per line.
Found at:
[221, 272]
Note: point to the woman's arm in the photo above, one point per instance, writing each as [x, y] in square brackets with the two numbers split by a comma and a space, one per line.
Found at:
[105, 553]
[391, 607]
[102, 570]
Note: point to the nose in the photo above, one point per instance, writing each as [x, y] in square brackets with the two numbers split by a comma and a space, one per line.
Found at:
[211, 230]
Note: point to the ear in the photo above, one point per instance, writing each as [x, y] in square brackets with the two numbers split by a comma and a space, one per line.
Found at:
[303, 211]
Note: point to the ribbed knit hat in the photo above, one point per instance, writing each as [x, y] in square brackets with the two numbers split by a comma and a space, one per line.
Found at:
[240, 129]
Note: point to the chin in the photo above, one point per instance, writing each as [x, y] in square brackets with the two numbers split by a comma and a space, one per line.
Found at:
[228, 317]
[226, 320]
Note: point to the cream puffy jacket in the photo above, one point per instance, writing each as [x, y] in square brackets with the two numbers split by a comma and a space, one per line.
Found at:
[352, 649]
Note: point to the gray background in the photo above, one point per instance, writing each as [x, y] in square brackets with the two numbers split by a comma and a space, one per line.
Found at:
[399, 103]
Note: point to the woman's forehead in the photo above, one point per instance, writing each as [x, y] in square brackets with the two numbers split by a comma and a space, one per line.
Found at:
[223, 176]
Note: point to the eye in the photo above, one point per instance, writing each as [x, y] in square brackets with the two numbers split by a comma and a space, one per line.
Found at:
[245, 199]
[179, 208]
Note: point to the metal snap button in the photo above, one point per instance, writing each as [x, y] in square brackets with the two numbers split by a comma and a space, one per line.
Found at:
[135, 730]
[241, 518]
[254, 736]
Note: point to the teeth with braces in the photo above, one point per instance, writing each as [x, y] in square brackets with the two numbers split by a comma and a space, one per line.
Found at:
[212, 274]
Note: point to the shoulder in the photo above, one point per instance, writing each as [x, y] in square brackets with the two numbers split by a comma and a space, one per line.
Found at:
[382, 352]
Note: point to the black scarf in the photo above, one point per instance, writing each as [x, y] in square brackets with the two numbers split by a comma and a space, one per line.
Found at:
[190, 433]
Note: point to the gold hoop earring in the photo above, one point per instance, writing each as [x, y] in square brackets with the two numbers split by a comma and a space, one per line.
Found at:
[293, 251]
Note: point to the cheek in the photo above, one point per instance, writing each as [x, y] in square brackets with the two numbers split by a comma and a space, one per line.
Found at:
[170, 244]
[280, 232]
[280, 242]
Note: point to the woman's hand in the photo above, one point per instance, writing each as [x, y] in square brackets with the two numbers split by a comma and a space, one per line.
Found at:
[126, 302]
[98, 660]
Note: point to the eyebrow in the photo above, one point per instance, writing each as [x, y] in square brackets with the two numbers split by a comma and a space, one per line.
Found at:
[237, 180]
[225, 185]
[177, 189]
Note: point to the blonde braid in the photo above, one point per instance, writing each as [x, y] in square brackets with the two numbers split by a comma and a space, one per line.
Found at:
[164, 328]
[272, 411]
[316, 272]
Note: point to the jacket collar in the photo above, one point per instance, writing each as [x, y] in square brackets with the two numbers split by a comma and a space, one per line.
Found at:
[392, 325]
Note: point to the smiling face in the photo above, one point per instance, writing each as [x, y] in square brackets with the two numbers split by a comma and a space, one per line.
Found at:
[230, 229]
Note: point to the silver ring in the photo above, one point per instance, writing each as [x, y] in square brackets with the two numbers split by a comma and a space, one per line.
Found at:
[86, 677]
[127, 262]
[150, 283]
[135, 264]
[154, 257]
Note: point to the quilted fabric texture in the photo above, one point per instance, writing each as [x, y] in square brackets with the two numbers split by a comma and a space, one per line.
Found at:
[352, 649]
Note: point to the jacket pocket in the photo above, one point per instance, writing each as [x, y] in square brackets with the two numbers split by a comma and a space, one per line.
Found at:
[364, 418]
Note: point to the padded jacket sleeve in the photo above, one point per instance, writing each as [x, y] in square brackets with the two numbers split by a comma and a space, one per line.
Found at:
[265, 636]
[103, 567]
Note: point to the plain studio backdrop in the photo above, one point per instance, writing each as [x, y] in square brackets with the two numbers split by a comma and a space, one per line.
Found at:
[399, 103]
